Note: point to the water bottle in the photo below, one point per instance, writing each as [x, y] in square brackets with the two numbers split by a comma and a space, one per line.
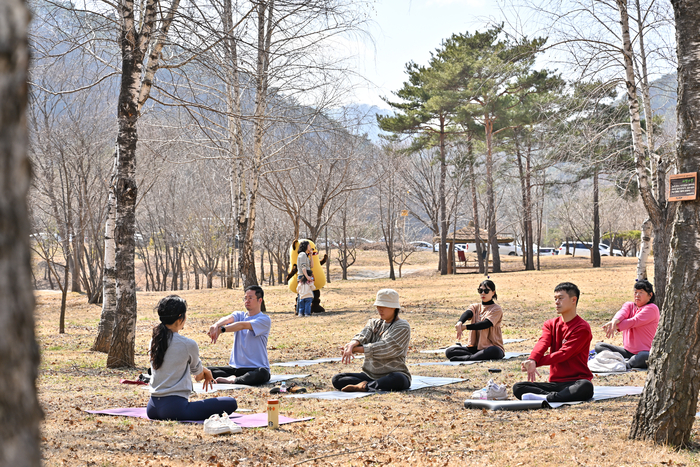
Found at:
[283, 387]
[273, 413]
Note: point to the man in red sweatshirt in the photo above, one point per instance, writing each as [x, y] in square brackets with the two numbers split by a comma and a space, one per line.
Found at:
[568, 338]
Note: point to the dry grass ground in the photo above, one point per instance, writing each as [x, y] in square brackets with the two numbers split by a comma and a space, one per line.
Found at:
[426, 427]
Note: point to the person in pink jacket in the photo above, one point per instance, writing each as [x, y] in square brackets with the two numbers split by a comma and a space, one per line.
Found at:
[637, 321]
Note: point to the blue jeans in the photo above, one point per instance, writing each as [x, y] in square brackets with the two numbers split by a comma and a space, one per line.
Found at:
[305, 306]
[179, 408]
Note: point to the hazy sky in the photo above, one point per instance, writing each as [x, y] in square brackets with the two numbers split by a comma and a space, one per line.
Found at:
[406, 30]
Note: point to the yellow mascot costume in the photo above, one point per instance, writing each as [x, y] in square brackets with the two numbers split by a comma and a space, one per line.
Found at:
[316, 271]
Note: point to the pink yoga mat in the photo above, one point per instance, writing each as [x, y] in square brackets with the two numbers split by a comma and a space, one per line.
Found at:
[246, 421]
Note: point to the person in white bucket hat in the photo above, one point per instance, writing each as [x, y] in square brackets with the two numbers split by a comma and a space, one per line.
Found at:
[384, 341]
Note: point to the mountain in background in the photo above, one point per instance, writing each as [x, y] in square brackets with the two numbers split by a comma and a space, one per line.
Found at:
[663, 93]
[664, 97]
[364, 117]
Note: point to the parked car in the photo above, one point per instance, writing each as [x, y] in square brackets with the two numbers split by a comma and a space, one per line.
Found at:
[544, 250]
[584, 249]
[425, 246]
[321, 243]
[606, 249]
[510, 249]
[354, 241]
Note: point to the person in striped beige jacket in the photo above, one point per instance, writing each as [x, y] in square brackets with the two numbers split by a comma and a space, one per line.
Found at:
[384, 341]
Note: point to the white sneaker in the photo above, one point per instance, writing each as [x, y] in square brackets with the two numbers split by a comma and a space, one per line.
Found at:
[233, 428]
[214, 425]
[220, 424]
[492, 391]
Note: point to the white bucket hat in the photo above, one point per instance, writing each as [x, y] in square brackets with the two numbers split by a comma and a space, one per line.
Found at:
[388, 298]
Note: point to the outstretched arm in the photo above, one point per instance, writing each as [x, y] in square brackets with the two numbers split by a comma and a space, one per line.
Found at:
[460, 327]
[485, 324]
[646, 314]
[215, 329]
[292, 273]
[350, 348]
[231, 325]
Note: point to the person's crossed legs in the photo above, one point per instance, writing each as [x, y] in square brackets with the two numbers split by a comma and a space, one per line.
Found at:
[458, 353]
[638, 360]
[361, 382]
[179, 408]
[247, 376]
[570, 391]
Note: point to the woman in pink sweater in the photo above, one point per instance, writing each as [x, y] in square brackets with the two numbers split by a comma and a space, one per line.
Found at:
[637, 321]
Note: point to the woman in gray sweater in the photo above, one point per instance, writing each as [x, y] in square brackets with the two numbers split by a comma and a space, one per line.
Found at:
[173, 359]
[384, 342]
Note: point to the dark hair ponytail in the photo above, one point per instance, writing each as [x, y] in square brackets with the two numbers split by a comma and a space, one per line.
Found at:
[170, 309]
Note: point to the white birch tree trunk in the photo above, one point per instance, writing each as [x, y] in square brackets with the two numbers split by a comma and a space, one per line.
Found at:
[109, 280]
[137, 37]
[659, 211]
[644, 250]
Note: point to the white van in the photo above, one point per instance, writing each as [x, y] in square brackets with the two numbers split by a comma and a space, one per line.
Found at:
[584, 249]
[509, 249]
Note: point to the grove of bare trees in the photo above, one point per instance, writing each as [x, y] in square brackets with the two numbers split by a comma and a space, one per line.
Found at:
[185, 146]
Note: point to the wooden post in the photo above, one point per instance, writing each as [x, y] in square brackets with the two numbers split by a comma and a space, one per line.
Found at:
[450, 257]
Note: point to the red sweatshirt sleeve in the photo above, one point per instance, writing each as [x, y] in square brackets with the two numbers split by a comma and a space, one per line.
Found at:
[543, 344]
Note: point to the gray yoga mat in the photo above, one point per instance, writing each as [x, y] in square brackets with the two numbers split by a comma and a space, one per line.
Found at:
[508, 356]
[312, 362]
[227, 387]
[417, 382]
[442, 351]
[599, 393]
[611, 373]
[502, 405]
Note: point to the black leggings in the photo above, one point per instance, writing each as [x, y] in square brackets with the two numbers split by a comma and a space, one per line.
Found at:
[249, 376]
[392, 382]
[570, 391]
[638, 360]
[457, 353]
